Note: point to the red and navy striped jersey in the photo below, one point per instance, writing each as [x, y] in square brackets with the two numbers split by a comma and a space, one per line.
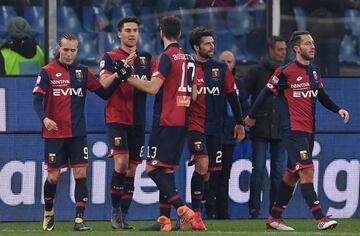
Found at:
[127, 105]
[64, 88]
[176, 68]
[297, 85]
[207, 113]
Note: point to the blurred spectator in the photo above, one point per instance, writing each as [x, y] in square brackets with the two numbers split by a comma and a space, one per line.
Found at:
[325, 21]
[19, 5]
[215, 3]
[161, 6]
[20, 54]
[266, 133]
[217, 189]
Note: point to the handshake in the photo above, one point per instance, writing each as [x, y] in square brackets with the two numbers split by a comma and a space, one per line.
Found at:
[123, 70]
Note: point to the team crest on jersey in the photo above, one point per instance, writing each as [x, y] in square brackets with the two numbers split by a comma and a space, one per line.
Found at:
[117, 141]
[215, 73]
[52, 158]
[304, 155]
[315, 75]
[198, 145]
[79, 75]
[142, 61]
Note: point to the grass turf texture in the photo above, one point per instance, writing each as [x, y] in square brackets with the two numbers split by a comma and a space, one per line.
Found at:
[220, 227]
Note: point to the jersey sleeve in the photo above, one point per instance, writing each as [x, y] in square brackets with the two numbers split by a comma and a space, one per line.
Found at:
[163, 67]
[106, 65]
[277, 81]
[92, 82]
[229, 82]
[42, 82]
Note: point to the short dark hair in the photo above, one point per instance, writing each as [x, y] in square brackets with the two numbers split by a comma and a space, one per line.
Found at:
[196, 34]
[170, 25]
[68, 36]
[271, 42]
[129, 19]
[296, 37]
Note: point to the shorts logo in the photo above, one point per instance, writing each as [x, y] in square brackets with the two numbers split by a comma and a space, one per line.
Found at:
[297, 167]
[154, 162]
[52, 158]
[79, 75]
[142, 61]
[304, 155]
[117, 141]
[215, 73]
[198, 146]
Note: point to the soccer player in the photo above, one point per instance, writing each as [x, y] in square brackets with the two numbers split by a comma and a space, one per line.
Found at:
[125, 119]
[175, 69]
[61, 86]
[298, 86]
[213, 86]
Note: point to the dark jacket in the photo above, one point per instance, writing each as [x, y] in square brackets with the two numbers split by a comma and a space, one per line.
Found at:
[268, 116]
[229, 121]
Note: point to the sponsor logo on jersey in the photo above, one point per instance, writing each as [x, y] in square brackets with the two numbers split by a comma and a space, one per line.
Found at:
[60, 82]
[215, 91]
[142, 77]
[58, 74]
[275, 79]
[215, 73]
[300, 85]
[52, 158]
[57, 92]
[142, 61]
[117, 141]
[299, 78]
[305, 94]
[79, 75]
[198, 146]
[183, 101]
[304, 155]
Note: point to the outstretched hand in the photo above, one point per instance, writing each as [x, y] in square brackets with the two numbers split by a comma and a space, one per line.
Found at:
[345, 115]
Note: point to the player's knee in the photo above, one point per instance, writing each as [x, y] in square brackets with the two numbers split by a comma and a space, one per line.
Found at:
[131, 170]
[201, 168]
[53, 178]
[306, 175]
[79, 173]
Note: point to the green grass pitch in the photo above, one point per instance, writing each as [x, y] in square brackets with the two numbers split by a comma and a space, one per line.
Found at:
[220, 227]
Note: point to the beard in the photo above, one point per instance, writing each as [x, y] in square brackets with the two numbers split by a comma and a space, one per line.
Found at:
[206, 55]
[306, 56]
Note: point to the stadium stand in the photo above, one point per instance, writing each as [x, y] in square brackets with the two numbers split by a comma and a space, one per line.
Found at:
[6, 12]
[35, 16]
[67, 20]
